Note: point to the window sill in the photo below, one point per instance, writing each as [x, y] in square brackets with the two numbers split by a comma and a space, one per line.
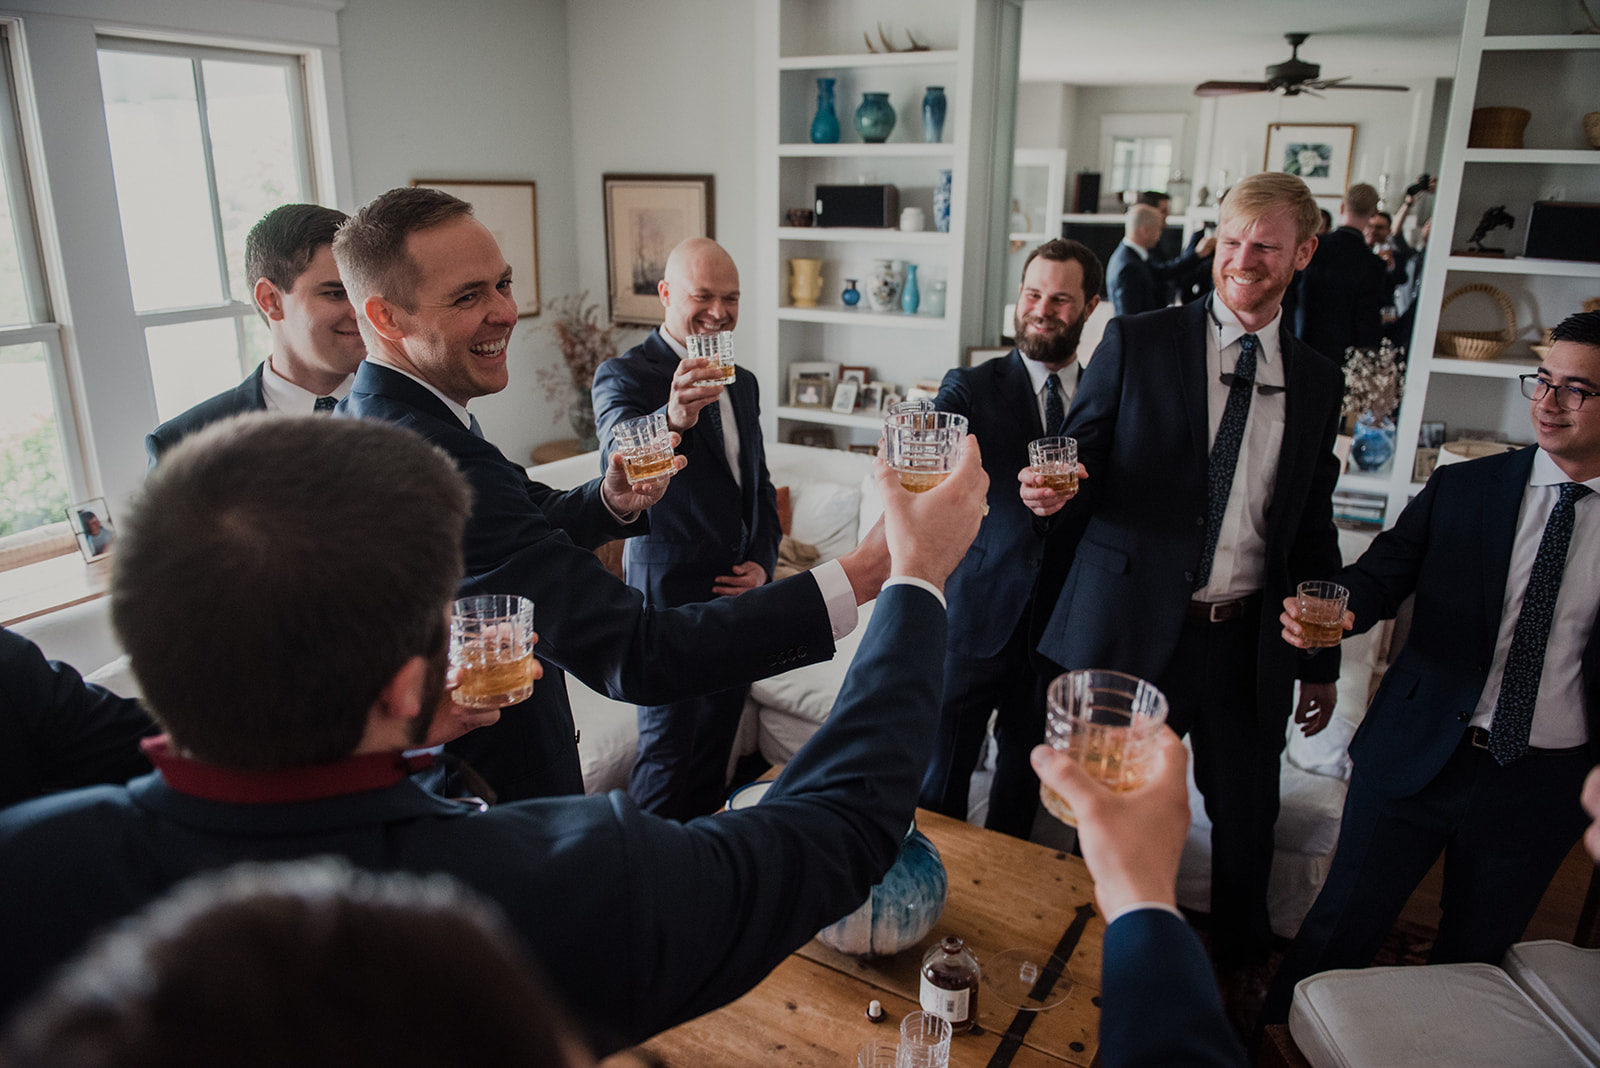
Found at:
[35, 589]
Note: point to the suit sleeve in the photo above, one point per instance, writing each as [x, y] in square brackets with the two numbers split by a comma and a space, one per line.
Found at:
[768, 535]
[1092, 418]
[620, 395]
[955, 395]
[1314, 553]
[1159, 1002]
[59, 732]
[1127, 297]
[1386, 574]
[1369, 302]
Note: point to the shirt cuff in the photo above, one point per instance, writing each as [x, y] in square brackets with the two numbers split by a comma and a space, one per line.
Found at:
[1140, 905]
[627, 520]
[838, 595]
[921, 584]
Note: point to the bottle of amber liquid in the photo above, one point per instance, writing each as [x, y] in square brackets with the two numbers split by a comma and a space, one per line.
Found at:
[950, 984]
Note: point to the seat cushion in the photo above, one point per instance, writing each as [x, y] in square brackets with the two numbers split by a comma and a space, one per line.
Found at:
[1445, 1015]
[608, 737]
[1564, 981]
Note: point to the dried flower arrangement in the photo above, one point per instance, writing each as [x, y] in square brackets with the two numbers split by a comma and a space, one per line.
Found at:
[585, 343]
[1374, 380]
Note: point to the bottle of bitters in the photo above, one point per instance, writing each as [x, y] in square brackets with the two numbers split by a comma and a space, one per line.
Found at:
[950, 984]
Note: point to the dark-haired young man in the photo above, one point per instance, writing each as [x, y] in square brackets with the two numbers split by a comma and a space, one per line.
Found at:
[434, 294]
[1008, 403]
[288, 258]
[293, 649]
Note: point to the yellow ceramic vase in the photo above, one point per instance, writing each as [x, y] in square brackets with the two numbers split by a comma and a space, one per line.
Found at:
[805, 282]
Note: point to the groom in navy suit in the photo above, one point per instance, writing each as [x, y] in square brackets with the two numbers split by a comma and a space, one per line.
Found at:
[1207, 432]
[1008, 403]
[434, 293]
[1478, 740]
[714, 534]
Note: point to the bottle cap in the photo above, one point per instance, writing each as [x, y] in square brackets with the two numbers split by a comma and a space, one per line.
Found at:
[875, 1011]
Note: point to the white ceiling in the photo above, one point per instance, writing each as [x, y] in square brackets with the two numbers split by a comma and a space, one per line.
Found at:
[1185, 42]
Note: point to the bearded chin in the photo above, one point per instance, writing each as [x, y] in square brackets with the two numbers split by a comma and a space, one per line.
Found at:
[1057, 348]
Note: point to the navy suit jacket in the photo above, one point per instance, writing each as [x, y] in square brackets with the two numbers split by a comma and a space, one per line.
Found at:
[1158, 998]
[1340, 299]
[1143, 431]
[245, 397]
[706, 523]
[640, 922]
[1452, 548]
[59, 732]
[993, 582]
[1133, 283]
[526, 538]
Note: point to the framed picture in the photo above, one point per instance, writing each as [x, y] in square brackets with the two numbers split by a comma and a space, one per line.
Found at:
[977, 354]
[818, 437]
[646, 216]
[1317, 152]
[1430, 436]
[813, 391]
[862, 375]
[844, 396]
[871, 399]
[812, 369]
[890, 399]
[91, 522]
[922, 389]
[511, 212]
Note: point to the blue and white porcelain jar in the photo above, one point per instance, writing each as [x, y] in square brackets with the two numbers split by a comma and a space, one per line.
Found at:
[901, 909]
[941, 203]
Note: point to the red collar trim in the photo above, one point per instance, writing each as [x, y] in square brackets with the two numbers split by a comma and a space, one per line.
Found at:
[354, 775]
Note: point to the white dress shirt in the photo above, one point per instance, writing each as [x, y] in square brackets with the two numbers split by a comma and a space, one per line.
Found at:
[282, 395]
[1066, 378]
[1239, 567]
[730, 429]
[1558, 711]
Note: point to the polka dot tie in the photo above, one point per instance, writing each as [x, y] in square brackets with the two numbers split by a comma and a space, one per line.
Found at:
[1519, 685]
[325, 404]
[1225, 450]
[1055, 412]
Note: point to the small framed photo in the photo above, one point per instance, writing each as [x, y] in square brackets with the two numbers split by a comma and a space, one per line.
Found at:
[865, 450]
[1318, 153]
[890, 399]
[817, 437]
[844, 396]
[813, 371]
[813, 391]
[1424, 463]
[922, 389]
[1431, 436]
[861, 375]
[91, 522]
[871, 399]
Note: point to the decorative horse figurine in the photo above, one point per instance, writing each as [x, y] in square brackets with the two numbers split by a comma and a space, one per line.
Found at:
[1493, 219]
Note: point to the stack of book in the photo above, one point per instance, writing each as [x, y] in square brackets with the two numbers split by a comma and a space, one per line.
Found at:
[1359, 511]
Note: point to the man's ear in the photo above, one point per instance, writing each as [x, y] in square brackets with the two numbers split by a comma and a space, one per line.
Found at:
[269, 298]
[390, 717]
[385, 318]
[661, 291]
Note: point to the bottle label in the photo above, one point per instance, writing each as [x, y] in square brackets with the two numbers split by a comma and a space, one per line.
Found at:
[951, 1004]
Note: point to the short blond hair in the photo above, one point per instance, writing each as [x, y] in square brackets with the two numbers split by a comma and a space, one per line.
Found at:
[1268, 192]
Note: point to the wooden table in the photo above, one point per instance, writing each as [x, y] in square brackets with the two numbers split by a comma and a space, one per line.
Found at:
[1004, 892]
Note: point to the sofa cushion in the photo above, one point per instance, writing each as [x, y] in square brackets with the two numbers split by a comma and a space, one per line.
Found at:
[608, 738]
[825, 515]
[1564, 981]
[1450, 1015]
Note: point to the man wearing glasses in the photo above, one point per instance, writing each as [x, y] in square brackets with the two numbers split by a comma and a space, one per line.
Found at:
[1479, 739]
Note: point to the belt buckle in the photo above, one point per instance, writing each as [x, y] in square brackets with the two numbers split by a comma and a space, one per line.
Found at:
[1219, 611]
[1479, 737]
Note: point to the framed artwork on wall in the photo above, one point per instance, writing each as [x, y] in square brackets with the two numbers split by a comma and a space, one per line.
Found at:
[646, 216]
[1316, 152]
[511, 212]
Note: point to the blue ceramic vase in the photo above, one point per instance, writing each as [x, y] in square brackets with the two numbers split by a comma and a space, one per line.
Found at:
[911, 295]
[901, 909]
[875, 118]
[1373, 442]
[851, 295]
[941, 203]
[825, 127]
[933, 105]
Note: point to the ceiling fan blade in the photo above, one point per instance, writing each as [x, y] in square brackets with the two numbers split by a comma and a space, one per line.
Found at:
[1341, 83]
[1230, 88]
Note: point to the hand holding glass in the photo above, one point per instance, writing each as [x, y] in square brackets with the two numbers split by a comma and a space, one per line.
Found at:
[923, 446]
[1321, 613]
[718, 349]
[1107, 722]
[646, 447]
[491, 642]
[1055, 461]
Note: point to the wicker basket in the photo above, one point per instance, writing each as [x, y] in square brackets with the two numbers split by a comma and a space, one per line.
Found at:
[1497, 127]
[1477, 344]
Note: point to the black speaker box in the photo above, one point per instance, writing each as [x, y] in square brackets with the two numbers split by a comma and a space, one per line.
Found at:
[858, 205]
[1558, 230]
[1086, 193]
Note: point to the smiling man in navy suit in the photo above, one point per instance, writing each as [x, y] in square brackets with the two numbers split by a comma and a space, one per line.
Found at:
[715, 532]
[316, 345]
[1008, 403]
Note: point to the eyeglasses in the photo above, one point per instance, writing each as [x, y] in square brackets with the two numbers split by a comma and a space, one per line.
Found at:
[1568, 398]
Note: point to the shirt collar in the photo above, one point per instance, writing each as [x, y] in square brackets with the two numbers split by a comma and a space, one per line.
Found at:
[682, 351]
[1142, 253]
[1038, 372]
[1546, 473]
[459, 410]
[283, 395]
[1269, 368]
[353, 775]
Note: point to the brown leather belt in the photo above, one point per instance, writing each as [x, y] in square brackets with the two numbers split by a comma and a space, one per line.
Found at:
[1479, 738]
[1219, 611]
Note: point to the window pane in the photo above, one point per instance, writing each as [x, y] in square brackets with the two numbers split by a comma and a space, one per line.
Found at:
[13, 298]
[190, 362]
[248, 111]
[162, 194]
[33, 478]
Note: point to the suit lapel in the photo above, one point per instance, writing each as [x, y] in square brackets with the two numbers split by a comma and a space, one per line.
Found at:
[378, 380]
[1502, 506]
[1015, 389]
[1190, 342]
[706, 442]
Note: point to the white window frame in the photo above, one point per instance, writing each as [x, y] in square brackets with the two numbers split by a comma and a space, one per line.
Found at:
[1154, 124]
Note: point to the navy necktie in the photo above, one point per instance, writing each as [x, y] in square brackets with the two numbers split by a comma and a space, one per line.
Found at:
[1055, 412]
[325, 404]
[1519, 684]
[1225, 450]
[477, 430]
[713, 414]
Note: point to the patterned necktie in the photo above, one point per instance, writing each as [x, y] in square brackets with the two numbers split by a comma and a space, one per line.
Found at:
[1519, 684]
[713, 414]
[325, 404]
[1055, 412]
[1225, 450]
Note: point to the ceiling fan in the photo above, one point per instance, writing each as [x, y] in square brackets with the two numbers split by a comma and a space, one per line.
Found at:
[1291, 78]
